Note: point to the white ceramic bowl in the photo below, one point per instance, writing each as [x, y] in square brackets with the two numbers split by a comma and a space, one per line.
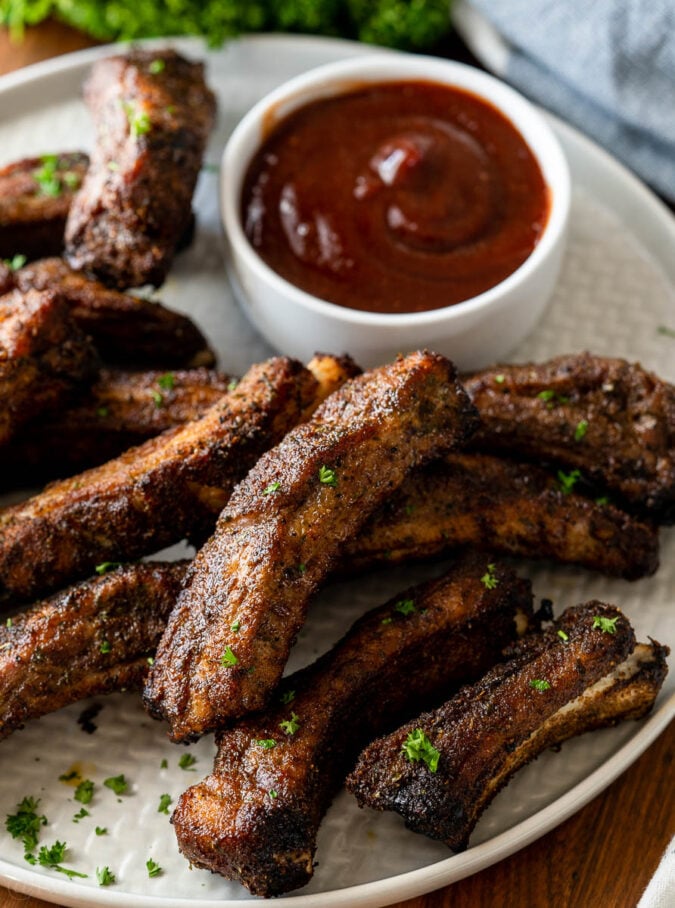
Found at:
[475, 332]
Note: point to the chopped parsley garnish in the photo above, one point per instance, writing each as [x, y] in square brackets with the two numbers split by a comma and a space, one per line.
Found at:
[231, 385]
[489, 579]
[666, 331]
[16, 262]
[235, 626]
[101, 830]
[158, 398]
[552, 398]
[608, 625]
[104, 876]
[84, 791]
[105, 646]
[327, 476]
[563, 636]
[164, 764]
[603, 500]
[167, 381]
[405, 607]
[272, 487]
[139, 121]
[25, 823]
[52, 858]
[273, 793]
[102, 412]
[287, 697]
[500, 379]
[71, 179]
[81, 814]
[418, 747]
[266, 743]
[187, 761]
[69, 776]
[290, 726]
[107, 566]
[9, 623]
[302, 568]
[156, 66]
[47, 176]
[538, 684]
[388, 620]
[228, 658]
[567, 481]
[150, 660]
[118, 784]
[164, 801]
[581, 429]
[113, 166]
[153, 868]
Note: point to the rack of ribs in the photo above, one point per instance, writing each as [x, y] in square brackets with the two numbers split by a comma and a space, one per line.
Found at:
[256, 817]
[283, 530]
[611, 421]
[153, 113]
[44, 358]
[441, 770]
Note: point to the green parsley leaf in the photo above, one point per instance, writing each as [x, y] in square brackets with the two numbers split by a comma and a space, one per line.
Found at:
[84, 791]
[9, 623]
[101, 830]
[158, 398]
[150, 660]
[290, 726]
[388, 620]
[71, 179]
[581, 429]
[418, 747]
[104, 876]
[153, 868]
[105, 646]
[563, 636]
[187, 761]
[164, 801]
[546, 395]
[272, 487]
[139, 121]
[489, 579]
[16, 262]
[164, 764]
[156, 66]
[603, 500]
[228, 658]
[118, 784]
[302, 568]
[500, 379]
[113, 166]
[540, 685]
[25, 823]
[69, 776]
[327, 476]
[567, 481]
[405, 607]
[235, 626]
[287, 697]
[103, 412]
[231, 385]
[52, 858]
[665, 331]
[81, 814]
[266, 743]
[608, 625]
[47, 176]
[273, 793]
[167, 381]
[107, 566]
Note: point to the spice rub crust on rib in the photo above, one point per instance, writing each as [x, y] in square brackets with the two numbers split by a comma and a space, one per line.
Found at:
[126, 330]
[282, 533]
[153, 495]
[506, 507]
[44, 358]
[93, 638]
[153, 113]
[256, 817]
[611, 420]
[35, 196]
[584, 672]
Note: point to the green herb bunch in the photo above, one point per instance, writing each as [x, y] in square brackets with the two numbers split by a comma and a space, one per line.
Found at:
[408, 24]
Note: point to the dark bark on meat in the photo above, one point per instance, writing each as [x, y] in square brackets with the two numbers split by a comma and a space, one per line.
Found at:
[135, 205]
[542, 696]
[256, 817]
[283, 531]
[94, 638]
[44, 358]
[609, 419]
[33, 211]
[499, 505]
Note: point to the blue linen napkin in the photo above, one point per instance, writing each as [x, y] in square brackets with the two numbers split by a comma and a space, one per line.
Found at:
[607, 66]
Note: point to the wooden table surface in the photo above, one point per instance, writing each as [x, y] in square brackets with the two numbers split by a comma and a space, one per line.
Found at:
[603, 856]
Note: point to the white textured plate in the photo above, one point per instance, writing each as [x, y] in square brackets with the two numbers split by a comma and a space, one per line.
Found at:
[615, 292]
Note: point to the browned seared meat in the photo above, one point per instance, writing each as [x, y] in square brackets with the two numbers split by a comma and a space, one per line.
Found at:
[126, 329]
[43, 358]
[502, 506]
[91, 639]
[121, 410]
[609, 419]
[153, 113]
[152, 495]
[35, 196]
[283, 530]
[255, 818]
[441, 770]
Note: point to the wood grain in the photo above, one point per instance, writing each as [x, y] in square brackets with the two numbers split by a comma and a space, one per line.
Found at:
[606, 853]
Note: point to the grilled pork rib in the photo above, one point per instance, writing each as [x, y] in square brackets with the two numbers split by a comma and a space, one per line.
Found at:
[126, 329]
[256, 817]
[152, 495]
[122, 409]
[583, 673]
[153, 113]
[505, 507]
[35, 196]
[43, 358]
[607, 418]
[91, 639]
[283, 530]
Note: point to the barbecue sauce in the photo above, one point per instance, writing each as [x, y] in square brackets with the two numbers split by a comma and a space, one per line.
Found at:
[398, 197]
